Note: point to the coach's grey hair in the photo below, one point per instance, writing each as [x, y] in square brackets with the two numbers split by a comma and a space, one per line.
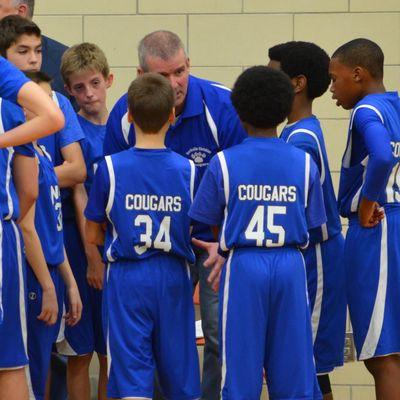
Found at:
[29, 3]
[160, 44]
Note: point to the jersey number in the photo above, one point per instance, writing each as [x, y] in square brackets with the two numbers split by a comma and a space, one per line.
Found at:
[162, 240]
[255, 229]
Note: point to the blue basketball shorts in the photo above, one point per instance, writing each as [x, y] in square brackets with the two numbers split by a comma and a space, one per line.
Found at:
[372, 261]
[265, 324]
[40, 336]
[150, 326]
[327, 294]
[87, 335]
[13, 331]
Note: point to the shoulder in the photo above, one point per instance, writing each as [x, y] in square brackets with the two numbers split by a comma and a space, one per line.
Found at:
[368, 108]
[11, 114]
[213, 91]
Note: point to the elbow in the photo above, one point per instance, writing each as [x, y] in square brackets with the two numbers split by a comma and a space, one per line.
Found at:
[56, 119]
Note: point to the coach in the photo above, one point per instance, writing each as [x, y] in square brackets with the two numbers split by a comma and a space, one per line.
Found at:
[205, 124]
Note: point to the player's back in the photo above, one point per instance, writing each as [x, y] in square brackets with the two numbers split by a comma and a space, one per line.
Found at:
[386, 109]
[150, 193]
[267, 185]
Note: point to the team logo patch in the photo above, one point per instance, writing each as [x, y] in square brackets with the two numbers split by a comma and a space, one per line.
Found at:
[199, 155]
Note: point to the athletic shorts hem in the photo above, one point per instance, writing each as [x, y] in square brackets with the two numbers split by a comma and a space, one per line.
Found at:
[12, 368]
[383, 354]
[130, 395]
[296, 398]
[328, 369]
[183, 398]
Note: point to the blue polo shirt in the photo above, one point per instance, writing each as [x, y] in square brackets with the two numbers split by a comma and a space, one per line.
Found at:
[207, 125]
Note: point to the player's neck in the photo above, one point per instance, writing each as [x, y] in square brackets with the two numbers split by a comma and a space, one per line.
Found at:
[260, 132]
[150, 141]
[373, 87]
[302, 108]
[99, 118]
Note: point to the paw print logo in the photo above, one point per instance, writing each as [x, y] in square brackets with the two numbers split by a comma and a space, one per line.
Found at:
[198, 157]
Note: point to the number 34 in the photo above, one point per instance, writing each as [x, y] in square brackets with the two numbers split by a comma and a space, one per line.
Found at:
[255, 229]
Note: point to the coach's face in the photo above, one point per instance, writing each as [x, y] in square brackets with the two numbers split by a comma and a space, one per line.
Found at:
[7, 8]
[176, 70]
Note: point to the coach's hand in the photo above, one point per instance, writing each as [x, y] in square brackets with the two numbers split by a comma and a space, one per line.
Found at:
[214, 261]
[74, 314]
[370, 213]
[49, 312]
[95, 270]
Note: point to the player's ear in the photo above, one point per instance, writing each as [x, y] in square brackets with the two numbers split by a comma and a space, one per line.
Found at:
[130, 118]
[299, 83]
[68, 90]
[358, 74]
[139, 71]
[171, 118]
[109, 80]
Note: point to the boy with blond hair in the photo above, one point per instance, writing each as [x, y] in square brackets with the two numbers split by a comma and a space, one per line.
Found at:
[87, 77]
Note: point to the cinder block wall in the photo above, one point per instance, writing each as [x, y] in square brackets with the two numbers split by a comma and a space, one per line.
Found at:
[225, 36]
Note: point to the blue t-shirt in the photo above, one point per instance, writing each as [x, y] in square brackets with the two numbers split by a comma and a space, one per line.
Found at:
[48, 216]
[71, 133]
[92, 147]
[208, 124]
[262, 193]
[11, 80]
[306, 134]
[11, 116]
[147, 212]
[371, 162]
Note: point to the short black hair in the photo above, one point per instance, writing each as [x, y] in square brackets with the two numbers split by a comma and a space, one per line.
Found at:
[12, 28]
[38, 77]
[304, 58]
[362, 53]
[262, 97]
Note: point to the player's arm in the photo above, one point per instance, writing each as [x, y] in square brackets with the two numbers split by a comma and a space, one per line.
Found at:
[377, 142]
[74, 312]
[95, 211]
[73, 170]
[114, 140]
[35, 257]
[47, 118]
[95, 269]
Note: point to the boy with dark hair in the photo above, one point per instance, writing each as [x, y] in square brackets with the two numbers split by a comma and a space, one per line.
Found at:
[307, 66]
[369, 196]
[87, 77]
[264, 194]
[45, 218]
[143, 195]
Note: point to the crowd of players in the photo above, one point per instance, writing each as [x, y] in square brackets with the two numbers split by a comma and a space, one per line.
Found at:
[107, 221]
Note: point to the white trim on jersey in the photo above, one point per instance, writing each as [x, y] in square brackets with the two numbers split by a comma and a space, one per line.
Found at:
[8, 181]
[347, 154]
[393, 179]
[125, 126]
[316, 311]
[224, 317]
[225, 175]
[110, 202]
[65, 349]
[55, 98]
[375, 326]
[211, 124]
[315, 137]
[218, 85]
[192, 178]
[306, 179]
[22, 308]
[356, 199]
[109, 355]
[1, 272]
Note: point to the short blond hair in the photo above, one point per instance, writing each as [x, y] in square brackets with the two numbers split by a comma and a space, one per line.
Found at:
[84, 57]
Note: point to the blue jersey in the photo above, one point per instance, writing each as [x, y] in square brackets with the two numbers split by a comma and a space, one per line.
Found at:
[371, 162]
[11, 116]
[146, 213]
[208, 124]
[263, 193]
[11, 80]
[48, 217]
[92, 147]
[306, 134]
[71, 133]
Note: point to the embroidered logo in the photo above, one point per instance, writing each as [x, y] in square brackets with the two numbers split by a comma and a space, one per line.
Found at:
[199, 155]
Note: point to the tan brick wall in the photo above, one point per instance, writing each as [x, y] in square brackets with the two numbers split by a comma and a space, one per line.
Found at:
[225, 36]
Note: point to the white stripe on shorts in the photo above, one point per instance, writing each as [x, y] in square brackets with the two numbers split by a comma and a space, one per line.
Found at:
[376, 323]
[316, 312]
[224, 317]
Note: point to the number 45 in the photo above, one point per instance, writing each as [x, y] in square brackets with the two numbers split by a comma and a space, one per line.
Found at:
[255, 229]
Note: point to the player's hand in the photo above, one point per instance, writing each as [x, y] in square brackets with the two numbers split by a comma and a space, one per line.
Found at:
[214, 261]
[49, 312]
[74, 314]
[95, 271]
[370, 213]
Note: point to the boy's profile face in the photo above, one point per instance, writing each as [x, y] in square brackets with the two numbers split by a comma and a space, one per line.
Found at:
[345, 86]
[89, 89]
[26, 53]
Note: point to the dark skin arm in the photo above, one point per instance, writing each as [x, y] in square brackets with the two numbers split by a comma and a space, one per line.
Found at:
[369, 213]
